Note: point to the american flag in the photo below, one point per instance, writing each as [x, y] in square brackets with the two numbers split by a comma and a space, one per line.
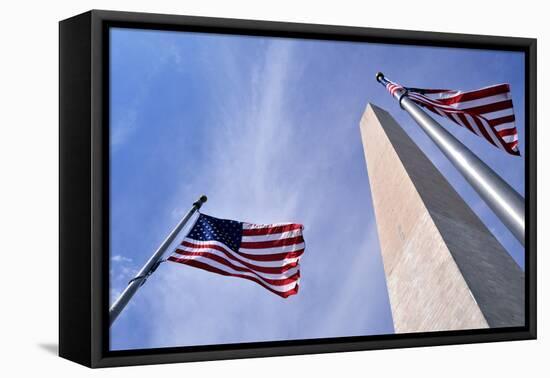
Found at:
[487, 112]
[267, 254]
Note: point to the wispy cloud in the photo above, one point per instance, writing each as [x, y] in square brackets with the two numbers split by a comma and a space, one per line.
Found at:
[122, 269]
[119, 258]
[257, 172]
[125, 119]
[251, 150]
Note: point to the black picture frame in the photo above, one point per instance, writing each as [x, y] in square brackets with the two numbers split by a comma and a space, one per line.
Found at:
[84, 183]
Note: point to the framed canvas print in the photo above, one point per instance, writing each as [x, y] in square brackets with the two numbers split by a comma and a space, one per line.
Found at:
[234, 188]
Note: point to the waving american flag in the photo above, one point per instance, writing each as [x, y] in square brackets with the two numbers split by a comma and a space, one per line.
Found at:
[267, 254]
[487, 112]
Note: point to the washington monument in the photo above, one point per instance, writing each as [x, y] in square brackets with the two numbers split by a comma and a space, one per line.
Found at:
[444, 269]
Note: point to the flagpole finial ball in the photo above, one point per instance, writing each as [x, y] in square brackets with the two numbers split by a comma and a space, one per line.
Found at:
[379, 75]
[198, 203]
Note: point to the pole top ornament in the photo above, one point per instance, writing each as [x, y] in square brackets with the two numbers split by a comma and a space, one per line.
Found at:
[202, 199]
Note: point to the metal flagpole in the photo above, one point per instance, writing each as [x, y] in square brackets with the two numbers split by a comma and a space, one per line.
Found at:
[151, 265]
[506, 203]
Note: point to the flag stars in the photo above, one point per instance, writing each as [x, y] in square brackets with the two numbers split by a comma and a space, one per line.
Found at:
[208, 228]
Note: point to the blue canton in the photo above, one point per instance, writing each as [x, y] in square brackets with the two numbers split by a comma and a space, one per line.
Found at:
[228, 232]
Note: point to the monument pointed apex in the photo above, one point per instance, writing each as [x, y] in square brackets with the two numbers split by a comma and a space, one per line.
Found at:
[375, 108]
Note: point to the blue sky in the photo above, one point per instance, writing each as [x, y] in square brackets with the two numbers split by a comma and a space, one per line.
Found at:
[268, 128]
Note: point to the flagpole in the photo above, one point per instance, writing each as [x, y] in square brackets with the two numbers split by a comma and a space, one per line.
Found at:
[151, 265]
[506, 203]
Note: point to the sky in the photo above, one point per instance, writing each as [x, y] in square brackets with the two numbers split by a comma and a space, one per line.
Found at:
[268, 129]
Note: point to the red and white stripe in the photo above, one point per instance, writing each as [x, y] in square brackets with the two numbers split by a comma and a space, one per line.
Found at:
[487, 112]
[268, 255]
[393, 87]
